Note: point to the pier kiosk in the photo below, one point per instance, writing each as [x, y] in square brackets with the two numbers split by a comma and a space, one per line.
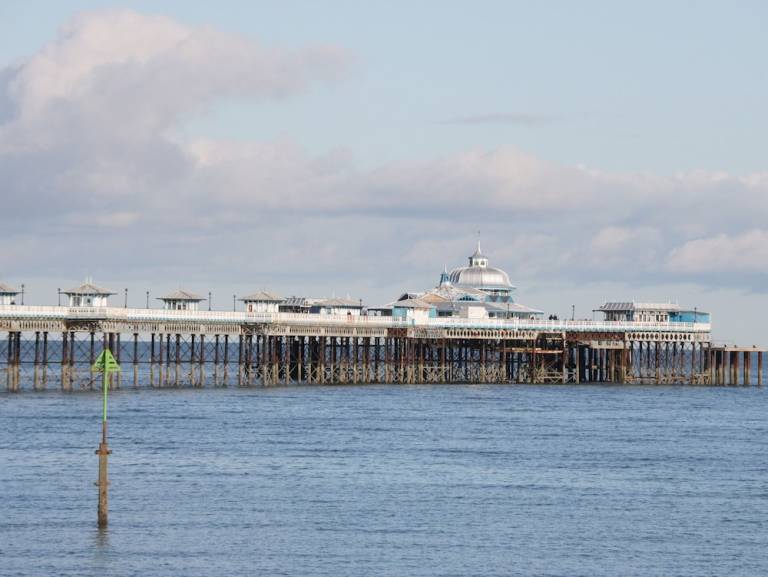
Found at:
[262, 302]
[7, 294]
[88, 295]
[181, 300]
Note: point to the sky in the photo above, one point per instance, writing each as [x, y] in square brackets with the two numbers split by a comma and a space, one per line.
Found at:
[602, 150]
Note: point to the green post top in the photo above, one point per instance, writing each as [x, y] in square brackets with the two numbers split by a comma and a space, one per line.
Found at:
[106, 364]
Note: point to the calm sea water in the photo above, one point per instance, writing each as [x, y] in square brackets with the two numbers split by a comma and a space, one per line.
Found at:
[390, 481]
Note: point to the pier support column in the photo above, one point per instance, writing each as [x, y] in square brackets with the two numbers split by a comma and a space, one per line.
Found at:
[239, 359]
[723, 367]
[45, 358]
[37, 360]
[11, 373]
[622, 368]
[725, 370]
[9, 363]
[72, 352]
[91, 349]
[747, 367]
[135, 359]
[201, 361]
[577, 363]
[694, 377]
[65, 384]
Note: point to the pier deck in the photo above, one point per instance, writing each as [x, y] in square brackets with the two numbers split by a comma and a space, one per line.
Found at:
[271, 348]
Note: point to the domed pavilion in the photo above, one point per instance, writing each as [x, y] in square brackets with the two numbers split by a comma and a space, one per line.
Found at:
[479, 276]
[475, 291]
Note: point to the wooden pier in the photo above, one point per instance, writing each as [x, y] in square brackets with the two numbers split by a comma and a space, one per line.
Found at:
[56, 346]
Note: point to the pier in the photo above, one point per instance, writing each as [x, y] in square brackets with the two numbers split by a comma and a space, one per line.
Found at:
[55, 346]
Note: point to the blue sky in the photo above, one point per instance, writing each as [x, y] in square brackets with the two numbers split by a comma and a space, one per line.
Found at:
[605, 149]
[658, 86]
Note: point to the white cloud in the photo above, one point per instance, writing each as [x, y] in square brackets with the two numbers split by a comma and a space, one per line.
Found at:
[142, 73]
[747, 252]
[90, 147]
[614, 240]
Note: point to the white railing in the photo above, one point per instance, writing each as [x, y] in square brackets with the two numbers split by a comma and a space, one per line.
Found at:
[27, 312]
[235, 317]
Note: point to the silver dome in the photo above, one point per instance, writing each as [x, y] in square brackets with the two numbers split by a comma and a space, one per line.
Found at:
[480, 277]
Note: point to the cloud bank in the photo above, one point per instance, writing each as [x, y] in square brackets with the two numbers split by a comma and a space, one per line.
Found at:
[94, 161]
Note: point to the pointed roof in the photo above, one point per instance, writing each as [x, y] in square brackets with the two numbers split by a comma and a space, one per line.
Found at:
[478, 252]
[445, 279]
[263, 297]
[413, 304]
[7, 289]
[181, 295]
[433, 297]
[294, 301]
[88, 288]
[337, 302]
[633, 306]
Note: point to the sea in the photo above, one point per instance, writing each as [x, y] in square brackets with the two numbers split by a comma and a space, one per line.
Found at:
[388, 480]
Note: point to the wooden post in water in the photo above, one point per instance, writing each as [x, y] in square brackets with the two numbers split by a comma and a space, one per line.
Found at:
[107, 364]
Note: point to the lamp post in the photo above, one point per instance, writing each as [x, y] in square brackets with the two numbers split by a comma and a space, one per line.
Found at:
[573, 312]
[234, 303]
[59, 291]
[695, 313]
[125, 304]
[209, 300]
[147, 299]
[22, 294]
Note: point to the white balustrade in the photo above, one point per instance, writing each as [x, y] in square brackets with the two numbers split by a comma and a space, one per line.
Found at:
[235, 317]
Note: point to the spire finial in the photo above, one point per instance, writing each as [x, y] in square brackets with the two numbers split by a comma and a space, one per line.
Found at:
[478, 259]
[444, 278]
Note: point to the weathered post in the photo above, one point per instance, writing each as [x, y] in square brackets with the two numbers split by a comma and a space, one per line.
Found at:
[107, 364]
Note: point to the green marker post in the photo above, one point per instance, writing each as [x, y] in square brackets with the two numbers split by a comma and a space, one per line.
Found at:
[106, 363]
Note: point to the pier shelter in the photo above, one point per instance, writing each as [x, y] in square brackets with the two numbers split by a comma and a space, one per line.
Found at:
[181, 300]
[336, 306]
[7, 294]
[415, 309]
[88, 295]
[651, 313]
[294, 304]
[262, 302]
